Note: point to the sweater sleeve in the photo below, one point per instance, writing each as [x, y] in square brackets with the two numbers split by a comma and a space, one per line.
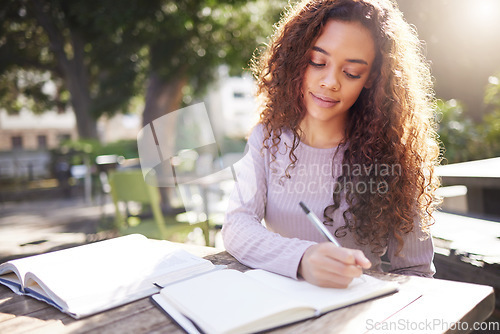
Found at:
[416, 256]
[245, 237]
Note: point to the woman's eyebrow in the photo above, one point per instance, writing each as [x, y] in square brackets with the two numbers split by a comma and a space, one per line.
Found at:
[317, 48]
[356, 61]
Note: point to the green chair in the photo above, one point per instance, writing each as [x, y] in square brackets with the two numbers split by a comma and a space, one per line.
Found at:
[128, 188]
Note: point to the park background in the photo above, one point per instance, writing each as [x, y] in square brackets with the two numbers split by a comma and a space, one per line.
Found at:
[89, 62]
[80, 79]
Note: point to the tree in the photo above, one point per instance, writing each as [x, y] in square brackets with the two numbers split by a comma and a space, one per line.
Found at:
[69, 45]
[203, 34]
[457, 133]
[98, 54]
[490, 126]
[462, 138]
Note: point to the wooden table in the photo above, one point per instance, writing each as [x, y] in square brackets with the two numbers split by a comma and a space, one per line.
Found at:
[482, 179]
[421, 305]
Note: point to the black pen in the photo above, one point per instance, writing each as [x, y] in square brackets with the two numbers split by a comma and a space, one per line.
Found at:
[319, 225]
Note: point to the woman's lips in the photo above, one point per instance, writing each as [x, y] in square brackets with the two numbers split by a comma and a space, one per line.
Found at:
[323, 101]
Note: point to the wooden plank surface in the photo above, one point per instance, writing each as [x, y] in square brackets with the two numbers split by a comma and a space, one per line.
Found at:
[419, 298]
[468, 235]
[19, 314]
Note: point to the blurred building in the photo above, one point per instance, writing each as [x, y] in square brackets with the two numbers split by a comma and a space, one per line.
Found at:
[27, 131]
[119, 127]
[231, 105]
[26, 139]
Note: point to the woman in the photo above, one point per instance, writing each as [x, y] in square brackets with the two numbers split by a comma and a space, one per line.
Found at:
[346, 126]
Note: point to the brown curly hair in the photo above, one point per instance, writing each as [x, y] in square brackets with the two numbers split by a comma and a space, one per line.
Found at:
[391, 124]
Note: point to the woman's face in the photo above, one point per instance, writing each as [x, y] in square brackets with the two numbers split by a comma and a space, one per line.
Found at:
[340, 63]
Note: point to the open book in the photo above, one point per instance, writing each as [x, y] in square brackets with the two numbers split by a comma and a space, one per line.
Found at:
[229, 301]
[88, 279]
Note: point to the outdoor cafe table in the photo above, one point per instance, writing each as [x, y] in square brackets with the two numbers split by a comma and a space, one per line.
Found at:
[482, 179]
[421, 305]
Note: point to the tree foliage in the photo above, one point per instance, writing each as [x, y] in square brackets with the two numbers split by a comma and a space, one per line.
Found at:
[97, 55]
[458, 134]
[189, 39]
[66, 49]
[464, 140]
[491, 124]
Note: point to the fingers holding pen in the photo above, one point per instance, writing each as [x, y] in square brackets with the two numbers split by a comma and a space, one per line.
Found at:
[351, 256]
[327, 265]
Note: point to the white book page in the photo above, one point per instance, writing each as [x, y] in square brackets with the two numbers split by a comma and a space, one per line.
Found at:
[14, 271]
[228, 301]
[87, 279]
[11, 281]
[325, 299]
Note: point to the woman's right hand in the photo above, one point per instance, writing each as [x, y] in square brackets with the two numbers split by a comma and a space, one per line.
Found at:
[330, 266]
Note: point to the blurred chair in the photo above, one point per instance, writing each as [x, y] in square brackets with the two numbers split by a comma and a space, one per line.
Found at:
[206, 200]
[129, 191]
[198, 188]
[198, 208]
[104, 165]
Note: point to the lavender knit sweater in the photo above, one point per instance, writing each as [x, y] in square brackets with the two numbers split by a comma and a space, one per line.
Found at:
[266, 228]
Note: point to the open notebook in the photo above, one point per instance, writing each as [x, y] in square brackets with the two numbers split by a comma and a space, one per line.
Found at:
[229, 301]
[88, 279]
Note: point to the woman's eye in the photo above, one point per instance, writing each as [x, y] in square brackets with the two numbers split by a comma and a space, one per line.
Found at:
[352, 76]
[316, 64]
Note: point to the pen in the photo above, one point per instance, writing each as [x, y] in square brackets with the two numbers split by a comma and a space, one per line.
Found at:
[319, 225]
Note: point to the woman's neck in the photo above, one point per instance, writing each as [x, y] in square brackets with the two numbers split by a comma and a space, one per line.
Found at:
[321, 134]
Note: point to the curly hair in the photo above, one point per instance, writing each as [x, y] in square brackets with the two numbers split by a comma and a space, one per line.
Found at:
[391, 124]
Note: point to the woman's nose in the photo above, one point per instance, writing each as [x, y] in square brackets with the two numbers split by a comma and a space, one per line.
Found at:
[330, 81]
